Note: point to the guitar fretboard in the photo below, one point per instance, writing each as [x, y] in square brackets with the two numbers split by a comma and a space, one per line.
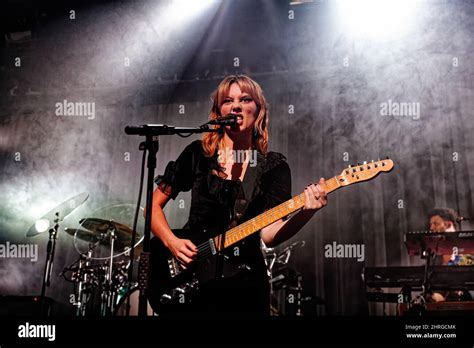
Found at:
[255, 224]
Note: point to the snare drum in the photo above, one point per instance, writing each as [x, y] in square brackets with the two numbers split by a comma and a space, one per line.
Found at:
[134, 295]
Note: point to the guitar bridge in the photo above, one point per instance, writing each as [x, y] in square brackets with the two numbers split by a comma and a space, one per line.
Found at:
[175, 267]
[212, 246]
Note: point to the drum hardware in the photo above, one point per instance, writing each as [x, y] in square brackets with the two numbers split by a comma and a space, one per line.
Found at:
[56, 215]
[86, 277]
[285, 277]
[107, 294]
[83, 295]
[108, 278]
[103, 280]
[299, 292]
[99, 231]
[129, 298]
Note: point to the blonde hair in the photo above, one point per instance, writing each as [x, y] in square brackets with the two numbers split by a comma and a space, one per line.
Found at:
[211, 141]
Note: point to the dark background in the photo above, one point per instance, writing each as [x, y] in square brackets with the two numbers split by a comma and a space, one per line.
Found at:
[308, 59]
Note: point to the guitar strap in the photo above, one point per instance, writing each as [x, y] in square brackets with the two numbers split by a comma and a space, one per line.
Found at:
[252, 176]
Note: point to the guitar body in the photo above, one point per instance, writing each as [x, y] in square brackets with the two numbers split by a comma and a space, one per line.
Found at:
[171, 286]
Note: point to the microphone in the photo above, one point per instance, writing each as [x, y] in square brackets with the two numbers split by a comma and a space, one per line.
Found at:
[228, 120]
[163, 129]
[136, 130]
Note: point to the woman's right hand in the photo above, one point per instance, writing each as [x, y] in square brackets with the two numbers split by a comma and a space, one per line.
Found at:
[183, 250]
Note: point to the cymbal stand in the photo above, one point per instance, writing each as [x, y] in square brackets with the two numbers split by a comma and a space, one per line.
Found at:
[299, 295]
[108, 296]
[270, 258]
[82, 296]
[48, 268]
[283, 259]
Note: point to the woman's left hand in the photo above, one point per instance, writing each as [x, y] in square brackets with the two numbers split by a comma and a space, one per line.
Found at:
[315, 197]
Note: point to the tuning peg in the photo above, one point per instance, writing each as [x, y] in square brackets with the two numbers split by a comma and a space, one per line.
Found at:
[365, 162]
[350, 165]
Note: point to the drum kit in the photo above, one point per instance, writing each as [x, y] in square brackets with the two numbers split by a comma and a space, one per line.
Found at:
[101, 275]
[284, 278]
[97, 278]
[287, 295]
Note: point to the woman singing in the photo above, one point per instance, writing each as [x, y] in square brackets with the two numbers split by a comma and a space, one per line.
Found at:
[215, 175]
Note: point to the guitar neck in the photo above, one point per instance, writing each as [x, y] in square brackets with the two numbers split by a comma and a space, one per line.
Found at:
[236, 234]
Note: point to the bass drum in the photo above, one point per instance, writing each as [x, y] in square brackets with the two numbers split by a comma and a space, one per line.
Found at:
[134, 295]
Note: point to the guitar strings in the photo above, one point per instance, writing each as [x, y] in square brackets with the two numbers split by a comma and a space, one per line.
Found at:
[248, 227]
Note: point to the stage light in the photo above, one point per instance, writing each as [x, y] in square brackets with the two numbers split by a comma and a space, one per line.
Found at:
[377, 19]
[180, 11]
[42, 225]
[300, 2]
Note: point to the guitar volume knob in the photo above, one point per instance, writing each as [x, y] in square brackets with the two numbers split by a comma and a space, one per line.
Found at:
[165, 298]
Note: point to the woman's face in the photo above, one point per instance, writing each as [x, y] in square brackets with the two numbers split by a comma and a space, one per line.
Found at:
[242, 105]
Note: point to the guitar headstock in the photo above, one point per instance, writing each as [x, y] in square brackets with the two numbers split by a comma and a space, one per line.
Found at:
[364, 171]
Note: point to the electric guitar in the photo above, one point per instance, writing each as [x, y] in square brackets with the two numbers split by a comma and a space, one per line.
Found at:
[170, 283]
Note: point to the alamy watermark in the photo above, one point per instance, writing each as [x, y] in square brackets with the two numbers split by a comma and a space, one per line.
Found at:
[37, 331]
[67, 108]
[23, 251]
[238, 156]
[343, 251]
[397, 109]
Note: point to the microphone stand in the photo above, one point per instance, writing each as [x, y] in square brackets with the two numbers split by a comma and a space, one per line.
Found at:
[460, 220]
[48, 267]
[151, 144]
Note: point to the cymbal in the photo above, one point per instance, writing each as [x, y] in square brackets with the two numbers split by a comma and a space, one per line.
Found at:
[99, 231]
[103, 226]
[121, 246]
[84, 235]
[60, 212]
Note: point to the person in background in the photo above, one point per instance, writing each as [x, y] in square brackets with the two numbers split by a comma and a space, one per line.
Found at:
[444, 220]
